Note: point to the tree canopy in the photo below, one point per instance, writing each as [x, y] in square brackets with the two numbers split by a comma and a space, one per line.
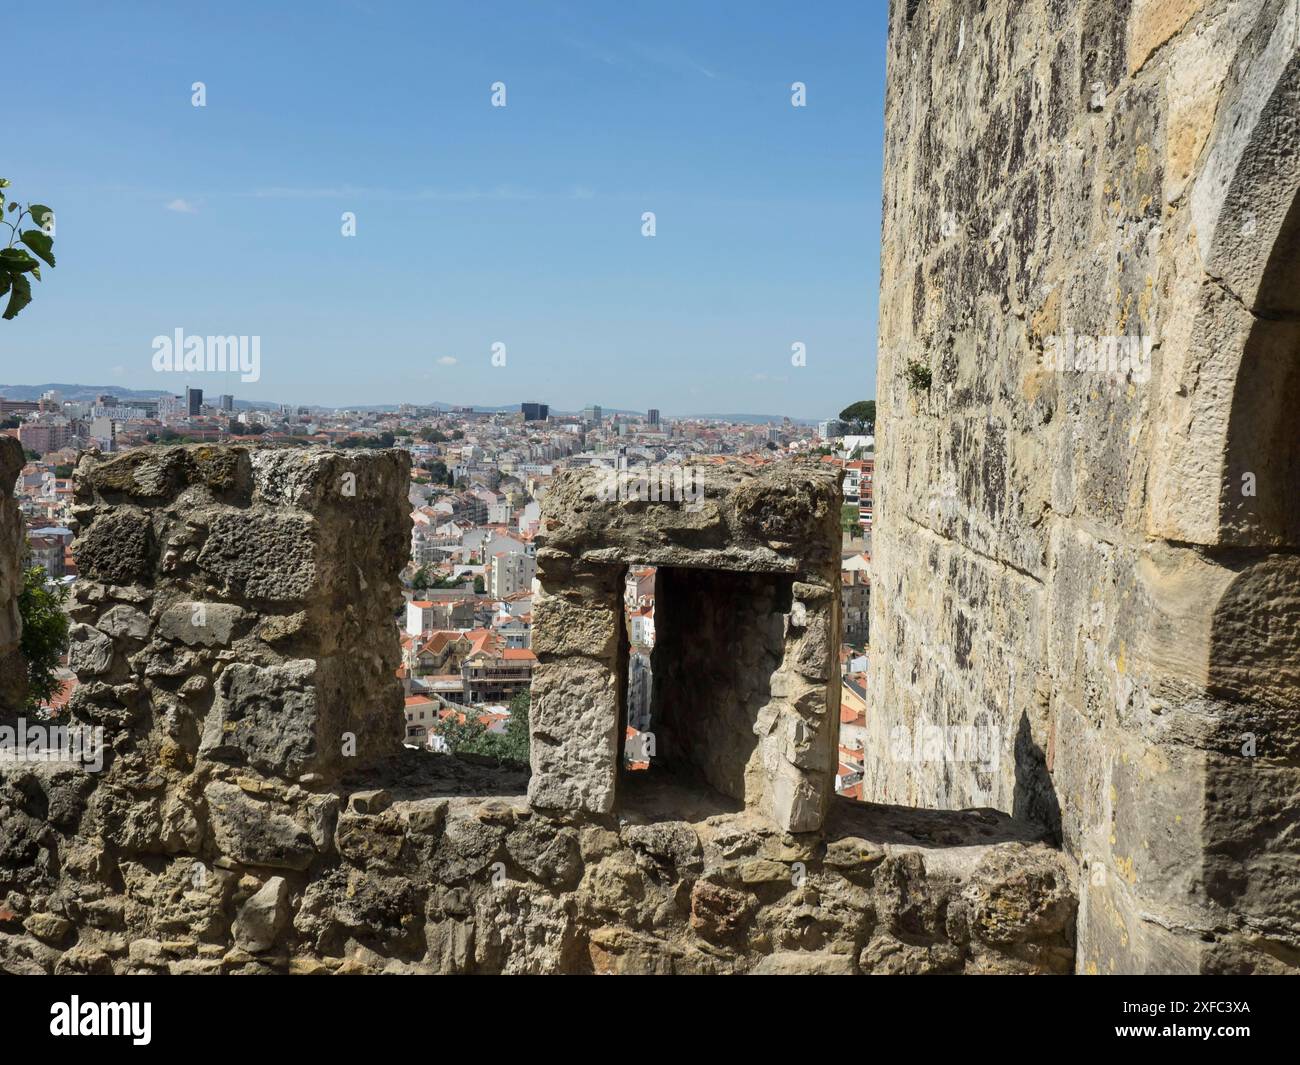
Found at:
[860, 413]
[472, 736]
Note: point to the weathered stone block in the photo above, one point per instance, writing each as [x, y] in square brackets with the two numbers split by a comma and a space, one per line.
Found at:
[266, 557]
[90, 653]
[119, 548]
[563, 628]
[272, 718]
[254, 832]
[209, 624]
[263, 916]
[573, 727]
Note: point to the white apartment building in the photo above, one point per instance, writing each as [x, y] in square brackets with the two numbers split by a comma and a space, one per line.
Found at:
[641, 627]
[511, 572]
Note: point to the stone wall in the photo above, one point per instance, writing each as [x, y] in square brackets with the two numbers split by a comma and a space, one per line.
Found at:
[236, 605]
[1096, 566]
[233, 828]
[13, 544]
[422, 878]
[746, 666]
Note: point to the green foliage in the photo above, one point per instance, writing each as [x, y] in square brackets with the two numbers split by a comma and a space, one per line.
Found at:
[421, 579]
[860, 413]
[473, 737]
[170, 436]
[45, 633]
[64, 469]
[383, 440]
[432, 436]
[445, 582]
[21, 258]
[918, 376]
[479, 586]
[515, 741]
[849, 518]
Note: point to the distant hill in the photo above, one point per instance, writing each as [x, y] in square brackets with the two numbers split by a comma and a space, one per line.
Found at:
[753, 419]
[79, 393]
[87, 393]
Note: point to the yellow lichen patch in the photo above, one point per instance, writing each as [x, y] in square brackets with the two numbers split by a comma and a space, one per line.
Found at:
[1154, 761]
[1124, 866]
[1153, 23]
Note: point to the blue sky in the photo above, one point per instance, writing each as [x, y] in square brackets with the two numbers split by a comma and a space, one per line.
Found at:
[475, 225]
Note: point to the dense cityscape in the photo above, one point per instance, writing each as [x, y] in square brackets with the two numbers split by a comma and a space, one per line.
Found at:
[478, 478]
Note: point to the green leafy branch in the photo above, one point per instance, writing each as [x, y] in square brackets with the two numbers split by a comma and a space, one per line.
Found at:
[25, 251]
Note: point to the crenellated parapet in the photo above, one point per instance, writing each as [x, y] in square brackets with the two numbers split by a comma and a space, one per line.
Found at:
[245, 803]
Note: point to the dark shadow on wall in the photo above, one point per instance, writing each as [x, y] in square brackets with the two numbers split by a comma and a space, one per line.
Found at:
[719, 637]
[1260, 504]
[1034, 797]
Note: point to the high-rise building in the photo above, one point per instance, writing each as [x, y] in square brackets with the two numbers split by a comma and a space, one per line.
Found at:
[535, 412]
[591, 415]
[193, 401]
[652, 416]
[226, 402]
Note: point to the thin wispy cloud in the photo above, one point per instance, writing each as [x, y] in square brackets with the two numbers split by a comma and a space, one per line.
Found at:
[447, 360]
[676, 60]
[595, 51]
[343, 192]
[182, 207]
[641, 56]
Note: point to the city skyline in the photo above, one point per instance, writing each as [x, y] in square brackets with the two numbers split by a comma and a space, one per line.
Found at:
[34, 391]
